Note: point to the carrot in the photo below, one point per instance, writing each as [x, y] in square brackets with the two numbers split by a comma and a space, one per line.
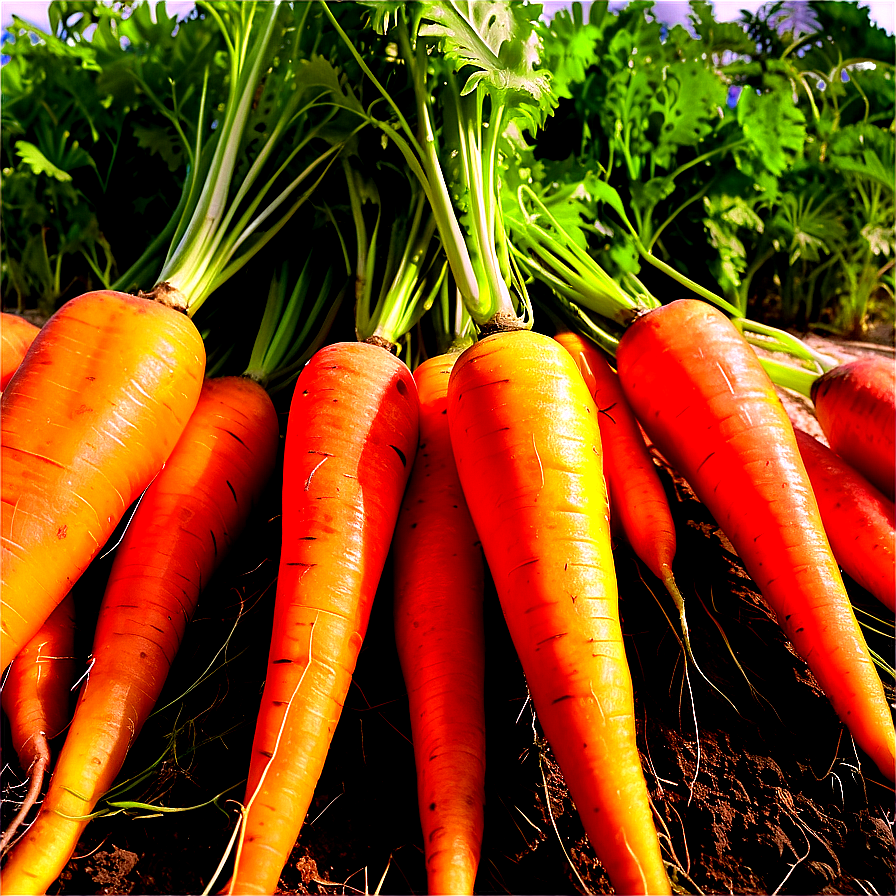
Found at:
[527, 444]
[35, 699]
[16, 336]
[856, 406]
[704, 399]
[637, 498]
[182, 528]
[858, 519]
[441, 644]
[87, 422]
[350, 443]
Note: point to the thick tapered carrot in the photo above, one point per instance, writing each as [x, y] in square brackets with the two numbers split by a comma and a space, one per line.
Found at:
[350, 444]
[703, 398]
[16, 336]
[441, 644]
[35, 698]
[527, 445]
[858, 519]
[181, 530]
[856, 406]
[637, 497]
[87, 421]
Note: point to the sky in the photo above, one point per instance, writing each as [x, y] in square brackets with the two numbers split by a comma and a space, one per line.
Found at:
[670, 11]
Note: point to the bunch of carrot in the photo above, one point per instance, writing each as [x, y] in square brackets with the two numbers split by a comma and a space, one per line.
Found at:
[521, 448]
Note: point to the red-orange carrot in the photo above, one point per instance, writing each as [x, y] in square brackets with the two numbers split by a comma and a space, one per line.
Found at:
[350, 443]
[702, 396]
[182, 528]
[87, 421]
[637, 498]
[35, 698]
[527, 445]
[856, 406]
[16, 336]
[441, 644]
[858, 519]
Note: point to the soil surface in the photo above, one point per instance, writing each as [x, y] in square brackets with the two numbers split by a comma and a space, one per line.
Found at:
[756, 786]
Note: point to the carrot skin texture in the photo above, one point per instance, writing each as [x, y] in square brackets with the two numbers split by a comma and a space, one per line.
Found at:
[637, 496]
[16, 336]
[181, 530]
[440, 637]
[35, 698]
[704, 399]
[350, 444]
[526, 441]
[87, 421]
[858, 519]
[856, 406]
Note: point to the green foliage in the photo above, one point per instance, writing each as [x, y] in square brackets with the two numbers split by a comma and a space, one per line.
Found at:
[754, 157]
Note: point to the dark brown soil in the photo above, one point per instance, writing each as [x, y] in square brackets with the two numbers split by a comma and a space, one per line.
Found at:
[756, 785]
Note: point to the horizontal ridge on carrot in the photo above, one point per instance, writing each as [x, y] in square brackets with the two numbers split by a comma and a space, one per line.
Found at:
[441, 644]
[181, 530]
[702, 396]
[527, 444]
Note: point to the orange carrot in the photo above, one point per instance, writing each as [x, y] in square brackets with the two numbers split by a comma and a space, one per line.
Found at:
[527, 445]
[350, 443]
[858, 519]
[637, 498]
[16, 336]
[87, 421]
[182, 528]
[856, 406]
[35, 699]
[702, 396]
[441, 644]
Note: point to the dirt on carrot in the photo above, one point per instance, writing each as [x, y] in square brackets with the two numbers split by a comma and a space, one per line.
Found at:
[773, 799]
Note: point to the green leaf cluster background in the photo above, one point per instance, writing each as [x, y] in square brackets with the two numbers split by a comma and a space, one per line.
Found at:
[755, 157]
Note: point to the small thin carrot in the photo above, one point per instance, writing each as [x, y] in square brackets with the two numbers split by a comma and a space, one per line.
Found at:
[179, 533]
[441, 644]
[856, 406]
[35, 698]
[350, 444]
[526, 440]
[703, 397]
[16, 335]
[637, 497]
[858, 519]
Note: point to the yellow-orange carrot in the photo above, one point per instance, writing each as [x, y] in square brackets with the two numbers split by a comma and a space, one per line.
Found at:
[527, 445]
[441, 644]
[703, 397]
[350, 444]
[87, 421]
[182, 528]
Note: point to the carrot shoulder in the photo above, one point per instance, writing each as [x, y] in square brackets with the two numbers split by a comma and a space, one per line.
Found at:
[526, 440]
[855, 404]
[441, 644]
[16, 336]
[858, 519]
[702, 396]
[350, 444]
[87, 421]
[181, 530]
